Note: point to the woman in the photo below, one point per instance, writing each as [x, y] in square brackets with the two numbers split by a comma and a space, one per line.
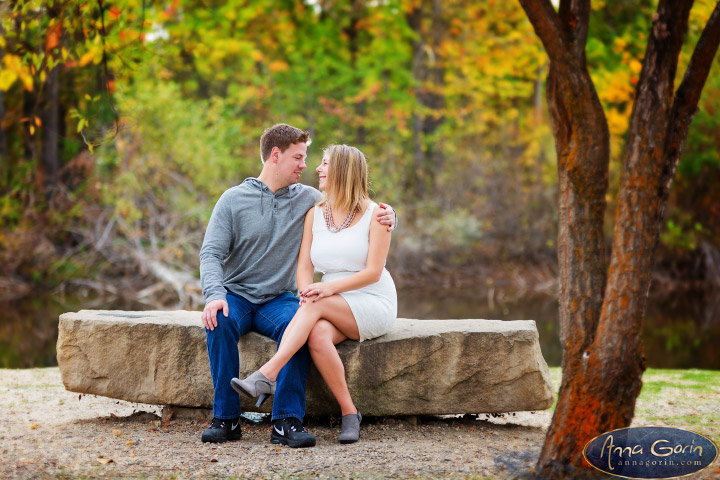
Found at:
[356, 298]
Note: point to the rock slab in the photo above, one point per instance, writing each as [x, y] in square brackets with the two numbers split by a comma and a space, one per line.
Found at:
[421, 367]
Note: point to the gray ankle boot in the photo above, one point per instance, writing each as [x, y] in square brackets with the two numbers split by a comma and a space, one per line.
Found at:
[350, 428]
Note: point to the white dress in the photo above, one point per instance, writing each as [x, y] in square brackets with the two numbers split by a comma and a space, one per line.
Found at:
[341, 254]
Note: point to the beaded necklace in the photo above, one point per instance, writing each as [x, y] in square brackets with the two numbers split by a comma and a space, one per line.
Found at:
[329, 219]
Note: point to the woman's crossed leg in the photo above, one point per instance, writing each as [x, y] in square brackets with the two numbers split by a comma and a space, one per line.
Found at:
[334, 310]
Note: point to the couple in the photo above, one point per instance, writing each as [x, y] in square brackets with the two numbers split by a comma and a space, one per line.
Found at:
[262, 235]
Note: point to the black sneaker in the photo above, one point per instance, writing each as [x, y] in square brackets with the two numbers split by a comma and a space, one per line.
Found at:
[222, 431]
[290, 432]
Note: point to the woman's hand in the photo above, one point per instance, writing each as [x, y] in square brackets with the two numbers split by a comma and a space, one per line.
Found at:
[316, 291]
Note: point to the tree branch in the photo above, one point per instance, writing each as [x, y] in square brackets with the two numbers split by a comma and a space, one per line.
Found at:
[686, 100]
[574, 19]
[547, 27]
[690, 90]
[106, 72]
[655, 89]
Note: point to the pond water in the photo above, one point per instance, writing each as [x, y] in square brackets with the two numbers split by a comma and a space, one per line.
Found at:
[682, 331]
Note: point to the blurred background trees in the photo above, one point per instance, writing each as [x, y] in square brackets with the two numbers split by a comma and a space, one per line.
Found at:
[122, 122]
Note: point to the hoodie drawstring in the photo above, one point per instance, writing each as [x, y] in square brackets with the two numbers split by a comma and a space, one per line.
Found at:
[290, 190]
[262, 197]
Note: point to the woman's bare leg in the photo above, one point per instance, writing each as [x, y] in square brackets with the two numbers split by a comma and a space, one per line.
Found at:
[334, 309]
[322, 340]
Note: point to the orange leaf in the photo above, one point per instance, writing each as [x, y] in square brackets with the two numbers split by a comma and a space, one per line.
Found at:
[52, 39]
[278, 66]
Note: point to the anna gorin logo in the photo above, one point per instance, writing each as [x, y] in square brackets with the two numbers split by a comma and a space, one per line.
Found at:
[650, 452]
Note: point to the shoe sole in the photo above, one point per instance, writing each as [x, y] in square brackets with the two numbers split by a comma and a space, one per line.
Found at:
[220, 440]
[261, 398]
[346, 442]
[207, 440]
[300, 444]
[239, 389]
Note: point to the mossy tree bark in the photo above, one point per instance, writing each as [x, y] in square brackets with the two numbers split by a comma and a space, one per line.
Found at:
[602, 306]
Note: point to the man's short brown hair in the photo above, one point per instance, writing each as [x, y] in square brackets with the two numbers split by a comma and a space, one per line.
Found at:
[282, 136]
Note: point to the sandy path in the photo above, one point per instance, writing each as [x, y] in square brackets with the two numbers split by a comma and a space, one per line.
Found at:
[46, 431]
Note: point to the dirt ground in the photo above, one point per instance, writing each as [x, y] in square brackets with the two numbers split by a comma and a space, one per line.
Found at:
[48, 432]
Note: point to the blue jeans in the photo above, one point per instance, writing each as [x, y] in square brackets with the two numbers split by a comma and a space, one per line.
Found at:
[269, 319]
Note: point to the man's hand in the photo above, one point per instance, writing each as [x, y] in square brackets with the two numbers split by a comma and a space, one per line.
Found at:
[209, 314]
[386, 216]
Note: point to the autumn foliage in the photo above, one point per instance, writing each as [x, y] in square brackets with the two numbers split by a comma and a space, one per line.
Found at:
[158, 107]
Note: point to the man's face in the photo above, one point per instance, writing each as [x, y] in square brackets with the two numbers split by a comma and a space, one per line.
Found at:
[291, 162]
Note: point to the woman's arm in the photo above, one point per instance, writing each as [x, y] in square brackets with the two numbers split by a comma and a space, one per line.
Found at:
[377, 254]
[305, 268]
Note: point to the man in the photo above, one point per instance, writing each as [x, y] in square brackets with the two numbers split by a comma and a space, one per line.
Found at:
[247, 270]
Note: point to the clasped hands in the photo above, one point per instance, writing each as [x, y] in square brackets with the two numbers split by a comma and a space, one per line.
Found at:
[315, 291]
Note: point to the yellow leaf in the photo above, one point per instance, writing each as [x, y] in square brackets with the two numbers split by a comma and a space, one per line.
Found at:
[81, 124]
[7, 78]
[619, 44]
[27, 81]
[32, 132]
[88, 97]
[64, 53]
[38, 122]
[87, 58]
[14, 63]
[32, 425]
[105, 461]
[635, 66]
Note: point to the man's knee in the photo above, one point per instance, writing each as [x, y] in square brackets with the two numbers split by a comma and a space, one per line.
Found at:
[222, 329]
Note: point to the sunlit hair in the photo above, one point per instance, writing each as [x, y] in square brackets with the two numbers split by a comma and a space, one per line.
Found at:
[282, 136]
[347, 181]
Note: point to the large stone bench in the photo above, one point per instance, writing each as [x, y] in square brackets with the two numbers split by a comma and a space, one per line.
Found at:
[421, 367]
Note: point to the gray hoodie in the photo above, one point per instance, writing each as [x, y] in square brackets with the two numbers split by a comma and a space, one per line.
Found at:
[252, 242]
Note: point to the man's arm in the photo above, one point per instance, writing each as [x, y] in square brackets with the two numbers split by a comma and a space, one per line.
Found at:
[212, 254]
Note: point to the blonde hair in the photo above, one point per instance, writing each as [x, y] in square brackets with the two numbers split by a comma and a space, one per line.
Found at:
[347, 182]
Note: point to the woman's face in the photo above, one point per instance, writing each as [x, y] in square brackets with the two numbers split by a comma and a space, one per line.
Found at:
[323, 171]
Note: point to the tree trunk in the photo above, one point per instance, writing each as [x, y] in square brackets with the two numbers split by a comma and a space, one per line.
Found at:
[51, 107]
[600, 324]
[29, 109]
[4, 160]
[51, 128]
[357, 13]
[428, 74]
